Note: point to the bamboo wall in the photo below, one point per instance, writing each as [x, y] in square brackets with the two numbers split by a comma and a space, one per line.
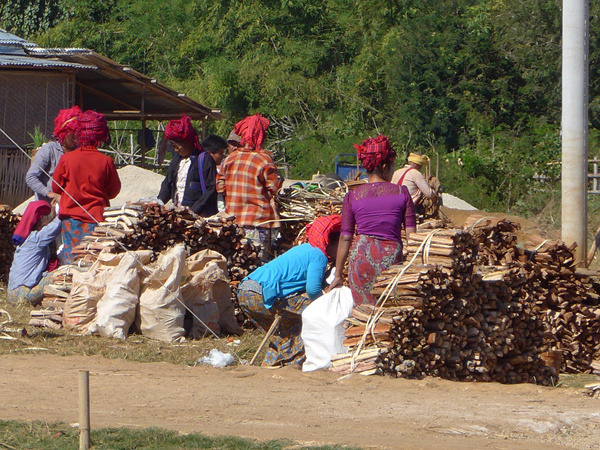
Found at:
[13, 167]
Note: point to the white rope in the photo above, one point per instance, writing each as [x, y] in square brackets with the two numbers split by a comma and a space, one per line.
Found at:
[375, 316]
[132, 254]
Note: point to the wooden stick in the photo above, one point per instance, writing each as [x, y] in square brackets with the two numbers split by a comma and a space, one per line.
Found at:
[267, 336]
[84, 410]
[592, 252]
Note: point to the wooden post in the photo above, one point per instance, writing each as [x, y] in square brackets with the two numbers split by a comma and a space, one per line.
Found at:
[84, 409]
[267, 336]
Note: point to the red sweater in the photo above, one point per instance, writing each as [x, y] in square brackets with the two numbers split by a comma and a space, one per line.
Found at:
[91, 178]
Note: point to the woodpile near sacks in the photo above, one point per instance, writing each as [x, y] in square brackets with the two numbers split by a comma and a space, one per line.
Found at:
[8, 224]
[472, 305]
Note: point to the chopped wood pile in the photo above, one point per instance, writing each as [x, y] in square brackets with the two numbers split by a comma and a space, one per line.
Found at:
[443, 315]
[55, 296]
[8, 224]
[298, 206]
[496, 239]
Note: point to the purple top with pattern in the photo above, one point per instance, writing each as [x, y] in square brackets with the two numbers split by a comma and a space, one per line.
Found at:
[379, 210]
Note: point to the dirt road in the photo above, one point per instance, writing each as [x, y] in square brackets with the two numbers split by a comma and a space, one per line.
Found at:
[313, 408]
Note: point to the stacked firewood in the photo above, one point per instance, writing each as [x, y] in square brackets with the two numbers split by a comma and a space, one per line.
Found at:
[55, 296]
[566, 300]
[451, 248]
[309, 202]
[475, 331]
[8, 224]
[496, 239]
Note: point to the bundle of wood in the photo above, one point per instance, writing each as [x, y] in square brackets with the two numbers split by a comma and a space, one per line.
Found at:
[55, 296]
[431, 206]
[309, 202]
[496, 239]
[481, 332]
[550, 255]
[158, 228]
[451, 248]
[569, 307]
[8, 224]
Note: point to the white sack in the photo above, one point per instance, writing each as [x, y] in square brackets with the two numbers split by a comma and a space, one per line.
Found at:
[116, 308]
[208, 295]
[88, 288]
[322, 328]
[161, 311]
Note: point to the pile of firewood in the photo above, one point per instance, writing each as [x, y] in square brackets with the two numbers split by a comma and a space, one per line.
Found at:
[467, 331]
[308, 203]
[496, 239]
[55, 296]
[8, 224]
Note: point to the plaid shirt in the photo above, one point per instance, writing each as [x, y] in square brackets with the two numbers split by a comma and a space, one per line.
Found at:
[249, 180]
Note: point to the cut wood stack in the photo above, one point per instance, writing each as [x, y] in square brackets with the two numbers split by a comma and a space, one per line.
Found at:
[8, 224]
[478, 332]
[496, 239]
[451, 248]
[565, 300]
[55, 296]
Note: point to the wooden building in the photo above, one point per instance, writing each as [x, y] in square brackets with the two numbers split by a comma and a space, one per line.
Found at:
[36, 82]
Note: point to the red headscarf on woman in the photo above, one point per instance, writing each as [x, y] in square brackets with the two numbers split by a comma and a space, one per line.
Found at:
[375, 152]
[183, 130]
[33, 213]
[65, 122]
[253, 130]
[92, 129]
[317, 232]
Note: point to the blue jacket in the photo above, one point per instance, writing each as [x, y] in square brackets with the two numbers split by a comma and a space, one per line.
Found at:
[300, 269]
[201, 202]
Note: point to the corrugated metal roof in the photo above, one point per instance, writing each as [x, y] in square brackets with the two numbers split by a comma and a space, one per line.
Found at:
[28, 61]
[7, 38]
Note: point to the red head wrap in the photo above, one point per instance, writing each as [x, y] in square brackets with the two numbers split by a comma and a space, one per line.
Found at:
[253, 130]
[33, 213]
[375, 152]
[65, 122]
[317, 232]
[183, 130]
[92, 129]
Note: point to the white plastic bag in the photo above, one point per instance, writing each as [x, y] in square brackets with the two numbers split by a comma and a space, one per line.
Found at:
[217, 358]
[322, 328]
[116, 308]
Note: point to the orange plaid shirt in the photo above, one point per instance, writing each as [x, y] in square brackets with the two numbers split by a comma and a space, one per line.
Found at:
[248, 180]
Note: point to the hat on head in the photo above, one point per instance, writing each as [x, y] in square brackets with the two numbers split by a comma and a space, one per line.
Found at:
[234, 139]
[415, 158]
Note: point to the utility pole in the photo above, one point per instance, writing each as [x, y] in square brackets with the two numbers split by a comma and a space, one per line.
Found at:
[575, 39]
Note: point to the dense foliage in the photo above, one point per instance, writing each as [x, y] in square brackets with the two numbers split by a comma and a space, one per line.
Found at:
[475, 81]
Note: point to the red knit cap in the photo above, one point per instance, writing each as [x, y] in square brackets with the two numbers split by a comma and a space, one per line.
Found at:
[92, 129]
[65, 122]
[375, 152]
[183, 130]
[253, 130]
[317, 232]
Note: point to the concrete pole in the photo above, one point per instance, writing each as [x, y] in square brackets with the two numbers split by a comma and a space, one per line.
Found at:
[575, 18]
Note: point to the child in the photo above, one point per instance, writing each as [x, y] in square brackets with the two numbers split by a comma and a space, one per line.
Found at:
[36, 232]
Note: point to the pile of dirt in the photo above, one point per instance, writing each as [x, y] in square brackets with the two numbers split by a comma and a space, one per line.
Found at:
[136, 183]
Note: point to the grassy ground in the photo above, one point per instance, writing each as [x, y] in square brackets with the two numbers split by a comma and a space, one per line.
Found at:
[42, 435]
[15, 341]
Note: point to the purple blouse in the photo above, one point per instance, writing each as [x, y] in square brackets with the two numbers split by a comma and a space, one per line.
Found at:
[379, 210]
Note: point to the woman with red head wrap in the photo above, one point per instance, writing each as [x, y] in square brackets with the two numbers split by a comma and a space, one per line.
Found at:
[286, 285]
[39, 175]
[192, 174]
[86, 180]
[376, 213]
[252, 130]
[34, 238]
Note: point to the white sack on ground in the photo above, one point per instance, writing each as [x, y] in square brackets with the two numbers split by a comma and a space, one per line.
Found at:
[208, 294]
[116, 309]
[88, 288]
[322, 328]
[161, 308]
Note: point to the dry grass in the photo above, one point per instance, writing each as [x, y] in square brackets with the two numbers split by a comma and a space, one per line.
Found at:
[15, 341]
